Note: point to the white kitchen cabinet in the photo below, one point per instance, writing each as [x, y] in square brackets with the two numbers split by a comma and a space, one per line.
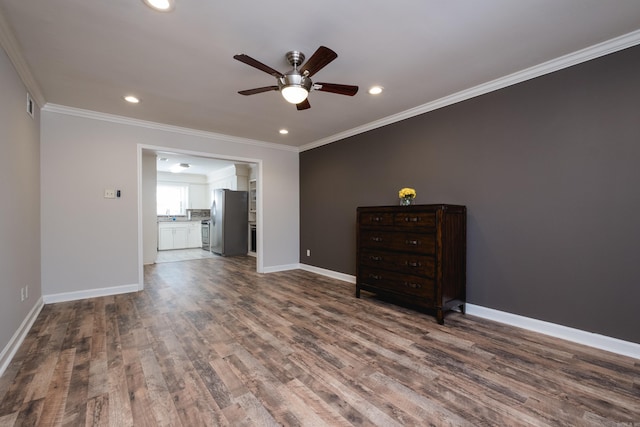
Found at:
[194, 239]
[179, 235]
[165, 237]
[198, 196]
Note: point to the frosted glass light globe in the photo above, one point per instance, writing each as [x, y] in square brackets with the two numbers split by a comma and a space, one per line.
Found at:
[294, 94]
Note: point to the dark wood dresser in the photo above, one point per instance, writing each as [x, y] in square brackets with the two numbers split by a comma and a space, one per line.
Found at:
[414, 254]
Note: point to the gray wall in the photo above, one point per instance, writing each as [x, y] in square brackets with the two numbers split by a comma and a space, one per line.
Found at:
[90, 244]
[149, 176]
[19, 203]
[549, 170]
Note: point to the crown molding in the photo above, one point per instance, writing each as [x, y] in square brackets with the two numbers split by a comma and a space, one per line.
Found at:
[88, 114]
[575, 58]
[11, 46]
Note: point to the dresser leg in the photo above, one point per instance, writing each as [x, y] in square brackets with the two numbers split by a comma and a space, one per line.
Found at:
[461, 306]
[357, 292]
[440, 316]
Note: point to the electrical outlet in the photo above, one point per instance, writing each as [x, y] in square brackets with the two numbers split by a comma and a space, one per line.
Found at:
[109, 194]
[308, 252]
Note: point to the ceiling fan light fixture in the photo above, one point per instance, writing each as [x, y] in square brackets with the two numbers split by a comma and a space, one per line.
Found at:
[294, 87]
[294, 94]
[179, 167]
[160, 5]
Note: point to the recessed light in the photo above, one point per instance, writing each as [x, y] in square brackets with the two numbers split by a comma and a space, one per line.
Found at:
[283, 131]
[160, 5]
[132, 99]
[375, 90]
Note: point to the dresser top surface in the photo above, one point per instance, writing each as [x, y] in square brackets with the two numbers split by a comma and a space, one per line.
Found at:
[430, 207]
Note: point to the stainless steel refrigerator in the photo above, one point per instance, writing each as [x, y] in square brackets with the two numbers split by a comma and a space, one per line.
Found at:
[230, 222]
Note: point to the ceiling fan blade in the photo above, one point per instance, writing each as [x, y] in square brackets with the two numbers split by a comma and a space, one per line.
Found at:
[258, 90]
[257, 64]
[318, 60]
[304, 105]
[336, 88]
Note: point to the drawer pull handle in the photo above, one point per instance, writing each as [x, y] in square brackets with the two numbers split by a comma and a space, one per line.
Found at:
[412, 242]
[411, 219]
[376, 239]
[375, 258]
[376, 219]
[413, 264]
[412, 285]
[375, 276]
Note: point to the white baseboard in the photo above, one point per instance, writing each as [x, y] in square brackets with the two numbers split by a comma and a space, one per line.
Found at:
[284, 267]
[602, 342]
[90, 293]
[18, 337]
[329, 273]
[579, 336]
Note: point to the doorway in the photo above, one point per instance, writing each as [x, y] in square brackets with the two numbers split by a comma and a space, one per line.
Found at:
[147, 183]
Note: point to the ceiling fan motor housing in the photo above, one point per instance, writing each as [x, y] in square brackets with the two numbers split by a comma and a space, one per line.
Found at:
[294, 78]
[295, 58]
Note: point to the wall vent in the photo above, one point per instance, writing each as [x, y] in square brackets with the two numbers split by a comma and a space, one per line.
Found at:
[30, 106]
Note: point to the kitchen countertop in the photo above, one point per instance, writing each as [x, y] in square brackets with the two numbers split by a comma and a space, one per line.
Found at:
[178, 219]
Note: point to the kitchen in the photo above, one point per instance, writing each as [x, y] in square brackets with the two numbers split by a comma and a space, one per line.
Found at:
[189, 226]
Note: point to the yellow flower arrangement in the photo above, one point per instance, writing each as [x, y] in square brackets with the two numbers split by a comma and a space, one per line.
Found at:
[407, 193]
[406, 196]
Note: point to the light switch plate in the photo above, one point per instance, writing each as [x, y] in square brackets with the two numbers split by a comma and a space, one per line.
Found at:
[109, 194]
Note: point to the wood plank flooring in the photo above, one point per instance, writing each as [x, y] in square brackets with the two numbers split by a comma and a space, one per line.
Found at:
[210, 342]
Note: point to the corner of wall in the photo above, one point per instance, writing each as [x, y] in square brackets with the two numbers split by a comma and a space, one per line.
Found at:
[18, 337]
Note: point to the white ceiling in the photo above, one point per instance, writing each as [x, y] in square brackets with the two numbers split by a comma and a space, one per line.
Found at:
[87, 54]
[197, 165]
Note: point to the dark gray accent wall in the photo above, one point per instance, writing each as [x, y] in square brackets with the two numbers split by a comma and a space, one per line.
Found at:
[549, 170]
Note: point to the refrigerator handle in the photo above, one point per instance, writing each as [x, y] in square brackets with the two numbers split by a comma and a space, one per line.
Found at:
[213, 213]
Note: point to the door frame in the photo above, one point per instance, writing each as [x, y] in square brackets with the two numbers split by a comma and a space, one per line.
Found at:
[259, 221]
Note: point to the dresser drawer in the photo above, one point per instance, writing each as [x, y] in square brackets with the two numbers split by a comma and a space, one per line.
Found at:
[399, 283]
[370, 219]
[406, 263]
[422, 243]
[415, 220]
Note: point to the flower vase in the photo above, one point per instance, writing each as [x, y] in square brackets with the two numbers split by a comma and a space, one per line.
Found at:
[406, 201]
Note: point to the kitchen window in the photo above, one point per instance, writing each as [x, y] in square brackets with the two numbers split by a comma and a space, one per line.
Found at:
[172, 199]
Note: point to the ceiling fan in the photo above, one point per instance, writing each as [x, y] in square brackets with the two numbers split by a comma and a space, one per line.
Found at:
[296, 84]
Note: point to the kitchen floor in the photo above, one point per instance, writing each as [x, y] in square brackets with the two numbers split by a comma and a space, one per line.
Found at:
[183, 255]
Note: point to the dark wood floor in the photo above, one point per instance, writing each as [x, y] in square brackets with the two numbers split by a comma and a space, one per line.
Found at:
[211, 342]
